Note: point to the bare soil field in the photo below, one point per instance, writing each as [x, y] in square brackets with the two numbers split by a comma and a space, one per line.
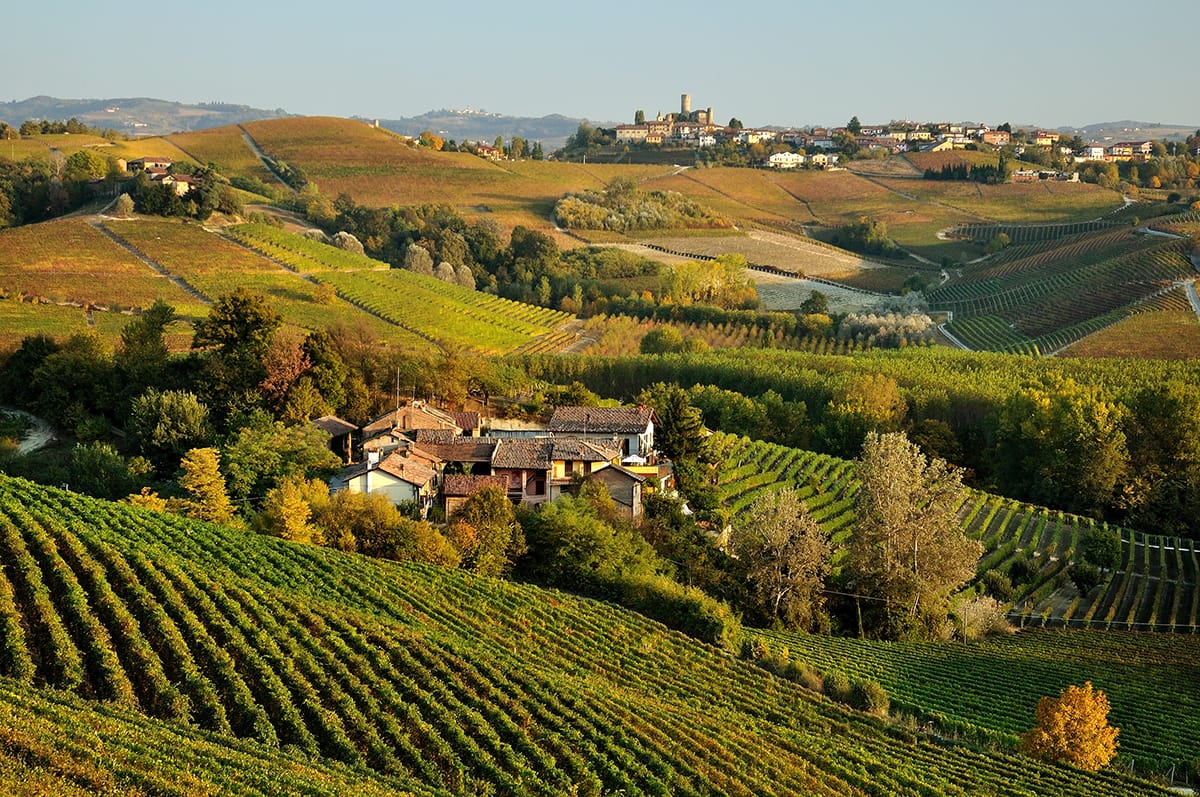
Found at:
[786, 252]
[778, 292]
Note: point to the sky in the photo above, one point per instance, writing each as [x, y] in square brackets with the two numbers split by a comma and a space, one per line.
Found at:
[766, 63]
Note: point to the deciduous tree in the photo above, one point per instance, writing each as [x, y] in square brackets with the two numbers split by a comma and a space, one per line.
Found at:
[1073, 729]
[205, 487]
[908, 549]
[787, 557]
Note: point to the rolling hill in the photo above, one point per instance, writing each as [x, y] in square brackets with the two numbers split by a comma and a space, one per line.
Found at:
[250, 658]
[134, 116]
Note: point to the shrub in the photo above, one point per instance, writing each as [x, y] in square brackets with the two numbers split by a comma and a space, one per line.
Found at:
[805, 676]
[998, 585]
[837, 687]
[870, 697]
[1085, 575]
[1101, 547]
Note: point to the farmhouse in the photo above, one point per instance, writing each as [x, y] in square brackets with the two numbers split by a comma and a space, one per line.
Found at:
[143, 164]
[395, 476]
[785, 160]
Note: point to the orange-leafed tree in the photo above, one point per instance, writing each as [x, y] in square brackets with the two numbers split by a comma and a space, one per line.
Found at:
[1073, 729]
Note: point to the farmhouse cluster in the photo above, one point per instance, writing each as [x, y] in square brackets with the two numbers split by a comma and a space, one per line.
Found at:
[420, 454]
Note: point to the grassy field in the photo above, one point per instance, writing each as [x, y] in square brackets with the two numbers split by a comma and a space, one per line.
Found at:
[39, 147]
[20, 319]
[396, 674]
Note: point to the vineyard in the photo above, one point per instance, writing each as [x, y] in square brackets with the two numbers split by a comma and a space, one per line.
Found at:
[439, 311]
[990, 688]
[1153, 588]
[393, 674]
[752, 469]
[299, 253]
[69, 261]
[1063, 291]
[1028, 233]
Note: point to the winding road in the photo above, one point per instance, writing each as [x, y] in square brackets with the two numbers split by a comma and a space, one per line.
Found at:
[39, 435]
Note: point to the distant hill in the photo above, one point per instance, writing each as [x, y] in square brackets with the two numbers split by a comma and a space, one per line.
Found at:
[140, 116]
[1128, 129]
[553, 130]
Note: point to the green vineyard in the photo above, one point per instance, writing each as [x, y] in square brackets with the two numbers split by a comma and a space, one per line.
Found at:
[299, 253]
[440, 312]
[219, 651]
[993, 686]
[754, 468]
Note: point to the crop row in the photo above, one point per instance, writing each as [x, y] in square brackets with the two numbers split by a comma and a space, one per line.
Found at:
[437, 311]
[300, 253]
[962, 689]
[1024, 233]
[1152, 589]
[465, 684]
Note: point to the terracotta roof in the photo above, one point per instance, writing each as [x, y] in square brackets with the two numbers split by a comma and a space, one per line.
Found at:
[579, 450]
[601, 420]
[463, 449]
[435, 435]
[523, 454]
[408, 470]
[417, 415]
[616, 471]
[460, 485]
[466, 420]
[334, 425]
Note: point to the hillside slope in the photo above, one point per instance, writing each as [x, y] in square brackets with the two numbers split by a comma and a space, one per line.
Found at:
[465, 684]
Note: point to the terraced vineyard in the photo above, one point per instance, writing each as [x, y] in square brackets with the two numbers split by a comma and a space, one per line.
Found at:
[991, 688]
[1152, 589]
[439, 311]
[1050, 299]
[754, 468]
[300, 253]
[404, 673]
[1028, 233]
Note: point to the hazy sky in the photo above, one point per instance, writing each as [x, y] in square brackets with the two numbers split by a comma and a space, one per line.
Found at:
[770, 62]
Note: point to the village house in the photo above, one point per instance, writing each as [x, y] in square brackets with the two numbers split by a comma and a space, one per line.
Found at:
[142, 164]
[997, 138]
[341, 435]
[785, 160]
[632, 428]
[397, 477]
[458, 487]
[625, 486]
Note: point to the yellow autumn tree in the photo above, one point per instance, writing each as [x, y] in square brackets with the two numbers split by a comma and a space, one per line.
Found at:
[1073, 729]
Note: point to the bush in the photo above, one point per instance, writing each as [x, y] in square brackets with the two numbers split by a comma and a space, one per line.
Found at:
[1101, 547]
[1085, 575]
[870, 697]
[805, 676]
[684, 609]
[837, 687]
[1022, 570]
[998, 585]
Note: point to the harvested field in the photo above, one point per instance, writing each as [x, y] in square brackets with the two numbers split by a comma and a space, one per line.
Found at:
[778, 292]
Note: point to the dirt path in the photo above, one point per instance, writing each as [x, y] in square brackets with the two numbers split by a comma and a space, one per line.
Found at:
[39, 435]
[1191, 292]
[262, 157]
